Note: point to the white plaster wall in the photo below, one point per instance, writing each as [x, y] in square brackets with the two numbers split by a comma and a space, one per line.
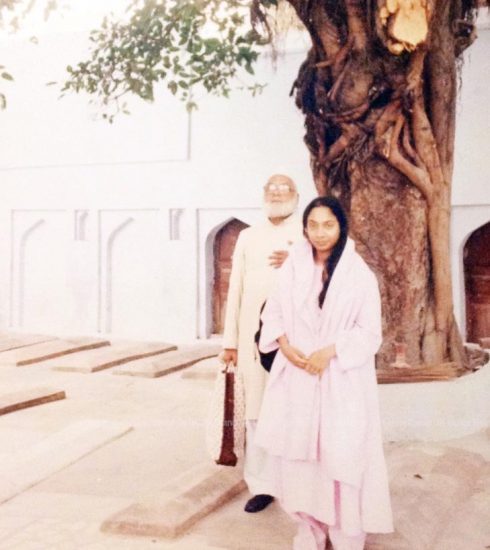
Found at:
[472, 148]
[38, 238]
[121, 250]
[435, 411]
[70, 132]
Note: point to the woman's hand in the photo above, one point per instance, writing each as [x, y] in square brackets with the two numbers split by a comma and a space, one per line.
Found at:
[319, 360]
[295, 356]
[292, 354]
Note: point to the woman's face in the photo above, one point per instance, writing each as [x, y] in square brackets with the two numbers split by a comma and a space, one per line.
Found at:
[322, 229]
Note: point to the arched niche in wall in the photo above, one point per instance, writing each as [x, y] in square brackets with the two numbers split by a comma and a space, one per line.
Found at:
[223, 247]
[476, 260]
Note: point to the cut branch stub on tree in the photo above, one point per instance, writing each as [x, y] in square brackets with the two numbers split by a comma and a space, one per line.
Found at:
[404, 24]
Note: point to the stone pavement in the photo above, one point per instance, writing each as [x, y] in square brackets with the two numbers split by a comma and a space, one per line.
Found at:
[117, 442]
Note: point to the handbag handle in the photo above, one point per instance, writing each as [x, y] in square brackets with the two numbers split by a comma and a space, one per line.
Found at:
[226, 366]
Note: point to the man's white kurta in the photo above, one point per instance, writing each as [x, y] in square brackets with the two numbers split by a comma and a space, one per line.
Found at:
[250, 283]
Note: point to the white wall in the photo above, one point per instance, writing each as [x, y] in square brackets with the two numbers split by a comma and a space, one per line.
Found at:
[105, 226]
[472, 148]
[435, 411]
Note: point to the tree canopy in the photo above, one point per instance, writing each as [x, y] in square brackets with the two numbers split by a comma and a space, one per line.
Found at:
[186, 44]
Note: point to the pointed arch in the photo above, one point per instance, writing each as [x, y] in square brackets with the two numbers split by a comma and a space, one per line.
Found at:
[223, 246]
[476, 262]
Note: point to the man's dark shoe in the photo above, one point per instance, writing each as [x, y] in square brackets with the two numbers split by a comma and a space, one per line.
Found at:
[258, 503]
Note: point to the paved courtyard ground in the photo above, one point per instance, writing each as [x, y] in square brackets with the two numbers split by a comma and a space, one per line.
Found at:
[70, 465]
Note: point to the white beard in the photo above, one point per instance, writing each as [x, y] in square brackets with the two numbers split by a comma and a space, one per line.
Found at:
[280, 209]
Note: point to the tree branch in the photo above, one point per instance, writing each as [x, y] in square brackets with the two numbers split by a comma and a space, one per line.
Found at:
[319, 25]
[356, 23]
[407, 147]
[417, 175]
[425, 143]
[350, 115]
[339, 146]
[442, 80]
[387, 134]
[338, 60]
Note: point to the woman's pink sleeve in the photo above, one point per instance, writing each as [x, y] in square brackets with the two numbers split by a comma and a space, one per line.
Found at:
[357, 346]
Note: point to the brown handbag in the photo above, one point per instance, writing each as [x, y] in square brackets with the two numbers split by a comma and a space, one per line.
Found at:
[227, 455]
[225, 432]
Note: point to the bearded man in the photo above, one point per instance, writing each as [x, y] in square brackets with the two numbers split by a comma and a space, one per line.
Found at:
[260, 250]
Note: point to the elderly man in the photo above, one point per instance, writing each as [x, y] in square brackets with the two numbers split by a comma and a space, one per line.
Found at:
[259, 251]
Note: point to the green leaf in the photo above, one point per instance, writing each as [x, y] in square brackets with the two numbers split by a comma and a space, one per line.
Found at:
[172, 86]
[249, 68]
[211, 44]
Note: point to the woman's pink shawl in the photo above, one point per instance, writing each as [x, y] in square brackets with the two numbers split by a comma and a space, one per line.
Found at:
[336, 416]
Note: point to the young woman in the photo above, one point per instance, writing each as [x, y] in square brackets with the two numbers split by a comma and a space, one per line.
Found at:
[319, 419]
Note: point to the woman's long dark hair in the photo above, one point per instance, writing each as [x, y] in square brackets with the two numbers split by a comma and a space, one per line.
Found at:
[336, 208]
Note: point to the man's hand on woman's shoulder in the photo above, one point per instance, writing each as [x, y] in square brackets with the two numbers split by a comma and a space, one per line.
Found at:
[277, 258]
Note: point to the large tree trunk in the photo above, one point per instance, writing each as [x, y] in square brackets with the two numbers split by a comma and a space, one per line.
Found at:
[388, 222]
[378, 91]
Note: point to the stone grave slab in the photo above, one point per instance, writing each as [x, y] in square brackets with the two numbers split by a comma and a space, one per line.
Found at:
[49, 350]
[10, 341]
[27, 468]
[111, 356]
[172, 361]
[205, 371]
[185, 501]
[29, 398]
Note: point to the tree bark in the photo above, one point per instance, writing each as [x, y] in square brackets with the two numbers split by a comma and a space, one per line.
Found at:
[380, 121]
